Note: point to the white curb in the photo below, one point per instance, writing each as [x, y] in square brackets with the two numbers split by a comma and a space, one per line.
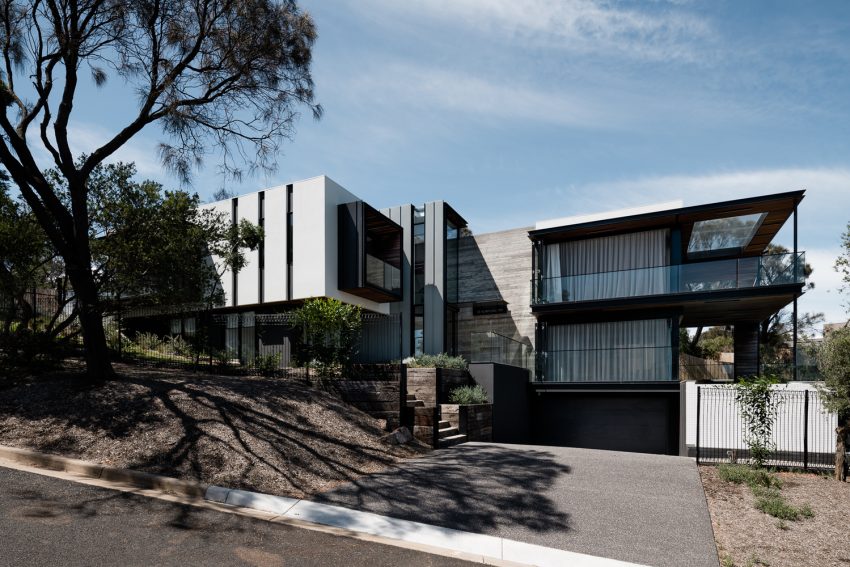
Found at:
[410, 532]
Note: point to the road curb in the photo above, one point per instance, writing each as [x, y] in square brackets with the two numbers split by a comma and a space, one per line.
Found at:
[479, 548]
[136, 479]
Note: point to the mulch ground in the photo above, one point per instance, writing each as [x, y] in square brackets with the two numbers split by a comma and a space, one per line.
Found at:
[273, 435]
[746, 536]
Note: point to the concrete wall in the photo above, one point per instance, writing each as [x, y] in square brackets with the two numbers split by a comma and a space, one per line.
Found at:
[496, 266]
[433, 385]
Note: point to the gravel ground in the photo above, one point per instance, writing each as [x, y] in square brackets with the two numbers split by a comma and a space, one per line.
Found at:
[273, 435]
[744, 535]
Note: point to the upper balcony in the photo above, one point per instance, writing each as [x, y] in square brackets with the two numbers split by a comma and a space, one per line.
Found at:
[683, 280]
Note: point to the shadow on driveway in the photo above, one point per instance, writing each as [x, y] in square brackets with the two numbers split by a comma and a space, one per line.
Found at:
[475, 488]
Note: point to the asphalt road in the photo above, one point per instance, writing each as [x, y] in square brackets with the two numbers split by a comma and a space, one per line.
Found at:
[49, 521]
[647, 509]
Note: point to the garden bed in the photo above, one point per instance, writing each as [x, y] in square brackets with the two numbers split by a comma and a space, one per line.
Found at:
[274, 435]
[747, 537]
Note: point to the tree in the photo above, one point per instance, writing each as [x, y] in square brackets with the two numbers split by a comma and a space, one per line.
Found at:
[229, 73]
[834, 365]
[842, 264]
[328, 330]
[151, 246]
[28, 264]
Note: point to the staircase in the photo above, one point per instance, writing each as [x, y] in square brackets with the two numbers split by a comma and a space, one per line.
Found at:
[447, 435]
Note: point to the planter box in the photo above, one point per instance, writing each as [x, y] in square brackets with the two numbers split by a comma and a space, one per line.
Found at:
[475, 421]
[433, 385]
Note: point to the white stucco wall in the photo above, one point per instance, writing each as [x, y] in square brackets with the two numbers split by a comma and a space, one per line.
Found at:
[314, 242]
[274, 282]
[248, 289]
[225, 279]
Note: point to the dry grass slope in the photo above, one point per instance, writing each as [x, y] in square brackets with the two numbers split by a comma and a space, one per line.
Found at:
[271, 435]
[746, 536]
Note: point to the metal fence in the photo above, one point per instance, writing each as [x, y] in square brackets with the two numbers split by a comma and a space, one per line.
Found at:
[190, 336]
[803, 432]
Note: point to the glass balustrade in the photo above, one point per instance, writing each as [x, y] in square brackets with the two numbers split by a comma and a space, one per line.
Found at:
[714, 275]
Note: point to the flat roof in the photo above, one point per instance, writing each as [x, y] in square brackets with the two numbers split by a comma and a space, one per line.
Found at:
[777, 208]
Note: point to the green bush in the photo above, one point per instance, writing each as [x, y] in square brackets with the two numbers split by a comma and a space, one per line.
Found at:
[742, 474]
[441, 360]
[770, 501]
[328, 334]
[758, 406]
[266, 364]
[468, 395]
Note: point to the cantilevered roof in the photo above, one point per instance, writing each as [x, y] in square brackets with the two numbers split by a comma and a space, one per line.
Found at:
[763, 216]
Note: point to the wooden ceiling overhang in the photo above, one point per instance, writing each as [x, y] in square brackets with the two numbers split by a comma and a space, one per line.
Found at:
[778, 208]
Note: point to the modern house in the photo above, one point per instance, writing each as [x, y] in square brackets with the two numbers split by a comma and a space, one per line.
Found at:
[592, 306]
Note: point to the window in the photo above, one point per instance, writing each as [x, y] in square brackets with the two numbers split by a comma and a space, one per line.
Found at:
[726, 234]
[617, 351]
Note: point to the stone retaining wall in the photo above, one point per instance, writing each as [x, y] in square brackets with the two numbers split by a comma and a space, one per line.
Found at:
[425, 420]
[475, 421]
[376, 390]
[433, 385]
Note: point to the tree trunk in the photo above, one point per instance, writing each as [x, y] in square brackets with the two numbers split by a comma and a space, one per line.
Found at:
[840, 449]
[98, 366]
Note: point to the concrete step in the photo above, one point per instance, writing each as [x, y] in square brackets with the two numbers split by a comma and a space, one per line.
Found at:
[415, 404]
[411, 397]
[448, 432]
[444, 423]
[453, 440]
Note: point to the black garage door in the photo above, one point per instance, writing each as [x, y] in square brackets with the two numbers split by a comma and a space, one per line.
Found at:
[643, 422]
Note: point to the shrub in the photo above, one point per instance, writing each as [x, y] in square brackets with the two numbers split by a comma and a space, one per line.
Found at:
[441, 360]
[770, 501]
[267, 364]
[467, 395]
[758, 405]
[328, 333]
[742, 474]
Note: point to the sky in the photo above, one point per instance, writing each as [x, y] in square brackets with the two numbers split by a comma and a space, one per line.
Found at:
[516, 111]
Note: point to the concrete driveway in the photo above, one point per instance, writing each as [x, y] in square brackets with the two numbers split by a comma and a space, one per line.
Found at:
[647, 509]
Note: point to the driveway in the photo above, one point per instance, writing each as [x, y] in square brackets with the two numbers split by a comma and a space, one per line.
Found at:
[647, 509]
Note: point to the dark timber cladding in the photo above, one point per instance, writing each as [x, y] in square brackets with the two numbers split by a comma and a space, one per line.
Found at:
[363, 231]
[778, 207]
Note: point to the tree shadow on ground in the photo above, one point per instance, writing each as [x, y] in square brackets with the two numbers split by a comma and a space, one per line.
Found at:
[278, 436]
[474, 487]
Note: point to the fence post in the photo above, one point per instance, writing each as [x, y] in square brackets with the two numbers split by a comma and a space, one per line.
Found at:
[699, 392]
[806, 430]
[120, 346]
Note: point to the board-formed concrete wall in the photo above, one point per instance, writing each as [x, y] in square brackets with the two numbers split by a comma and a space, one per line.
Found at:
[496, 266]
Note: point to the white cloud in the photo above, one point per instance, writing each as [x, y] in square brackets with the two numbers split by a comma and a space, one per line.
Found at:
[433, 90]
[663, 31]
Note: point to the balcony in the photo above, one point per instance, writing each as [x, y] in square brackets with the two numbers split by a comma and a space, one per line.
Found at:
[698, 277]
[383, 275]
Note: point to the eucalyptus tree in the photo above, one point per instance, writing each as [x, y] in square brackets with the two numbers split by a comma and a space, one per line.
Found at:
[232, 74]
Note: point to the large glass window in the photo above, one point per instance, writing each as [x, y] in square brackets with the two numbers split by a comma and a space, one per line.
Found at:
[730, 233]
[617, 351]
[418, 256]
[452, 235]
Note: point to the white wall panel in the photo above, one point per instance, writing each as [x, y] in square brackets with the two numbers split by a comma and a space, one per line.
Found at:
[274, 285]
[247, 289]
[225, 279]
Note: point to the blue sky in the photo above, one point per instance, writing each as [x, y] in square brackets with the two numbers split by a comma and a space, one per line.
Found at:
[520, 110]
